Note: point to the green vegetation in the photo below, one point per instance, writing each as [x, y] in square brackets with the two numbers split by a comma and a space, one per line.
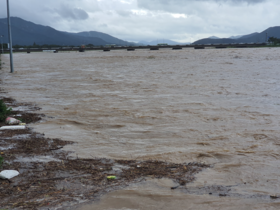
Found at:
[4, 111]
[89, 45]
[274, 40]
[5, 46]
[40, 46]
[1, 161]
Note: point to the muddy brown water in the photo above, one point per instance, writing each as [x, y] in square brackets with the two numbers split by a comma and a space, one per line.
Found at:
[219, 106]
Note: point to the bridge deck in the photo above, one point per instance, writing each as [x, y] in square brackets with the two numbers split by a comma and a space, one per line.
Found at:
[132, 48]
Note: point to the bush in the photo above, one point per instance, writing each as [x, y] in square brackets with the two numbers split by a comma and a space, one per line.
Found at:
[4, 111]
[1, 161]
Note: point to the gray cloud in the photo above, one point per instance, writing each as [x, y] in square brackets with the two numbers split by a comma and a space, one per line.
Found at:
[123, 13]
[103, 25]
[67, 12]
[179, 5]
[180, 2]
[179, 20]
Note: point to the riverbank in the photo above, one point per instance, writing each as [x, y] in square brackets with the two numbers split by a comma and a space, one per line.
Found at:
[50, 178]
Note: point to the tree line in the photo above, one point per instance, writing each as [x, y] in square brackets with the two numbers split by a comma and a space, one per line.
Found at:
[48, 46]
[274, 40]
[5, 46]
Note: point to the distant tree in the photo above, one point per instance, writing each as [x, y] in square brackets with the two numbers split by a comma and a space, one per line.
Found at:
[17, 46]
[5, 46]
[274, 40]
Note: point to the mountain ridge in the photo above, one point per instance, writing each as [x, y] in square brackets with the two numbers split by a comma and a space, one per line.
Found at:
[249, 38]
[26, 33]
[162, 41]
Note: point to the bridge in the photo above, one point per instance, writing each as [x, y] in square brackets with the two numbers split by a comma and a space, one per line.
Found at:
[133, 48]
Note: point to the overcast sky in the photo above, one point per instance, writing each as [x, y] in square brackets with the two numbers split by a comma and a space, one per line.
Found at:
[135, 20]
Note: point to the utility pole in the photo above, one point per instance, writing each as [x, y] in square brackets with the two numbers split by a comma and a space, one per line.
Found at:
[10, 38]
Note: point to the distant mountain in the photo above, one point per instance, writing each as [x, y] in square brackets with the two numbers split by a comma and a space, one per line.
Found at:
[215, 41]
[250, 38]
[161, 41]
[26, 33]
[235, 37]
[248, 35]
[232, 37]
[106, 37]
[213, 37]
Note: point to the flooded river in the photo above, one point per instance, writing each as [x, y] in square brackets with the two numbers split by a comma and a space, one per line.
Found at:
[219, 106]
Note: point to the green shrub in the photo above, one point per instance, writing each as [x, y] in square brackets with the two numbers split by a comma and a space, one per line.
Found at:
[4, 111]
[1, 161]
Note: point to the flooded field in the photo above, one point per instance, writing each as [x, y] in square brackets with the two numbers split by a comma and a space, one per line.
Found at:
[218, 106]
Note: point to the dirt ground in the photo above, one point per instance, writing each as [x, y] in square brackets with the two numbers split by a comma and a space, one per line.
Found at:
[50, 179]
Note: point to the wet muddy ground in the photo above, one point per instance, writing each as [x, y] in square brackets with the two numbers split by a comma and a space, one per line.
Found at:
[50, 178]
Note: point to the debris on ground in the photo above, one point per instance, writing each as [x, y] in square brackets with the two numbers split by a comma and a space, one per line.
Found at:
[274, 196]
[12, 121]
[15, 127]
[8, 174]
[111, 177]
[64, 180]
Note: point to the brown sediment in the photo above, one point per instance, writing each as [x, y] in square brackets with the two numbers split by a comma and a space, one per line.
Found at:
[50, 178]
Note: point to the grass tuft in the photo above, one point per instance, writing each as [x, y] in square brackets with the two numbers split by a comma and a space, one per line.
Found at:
[4, 111]
[1, 161]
